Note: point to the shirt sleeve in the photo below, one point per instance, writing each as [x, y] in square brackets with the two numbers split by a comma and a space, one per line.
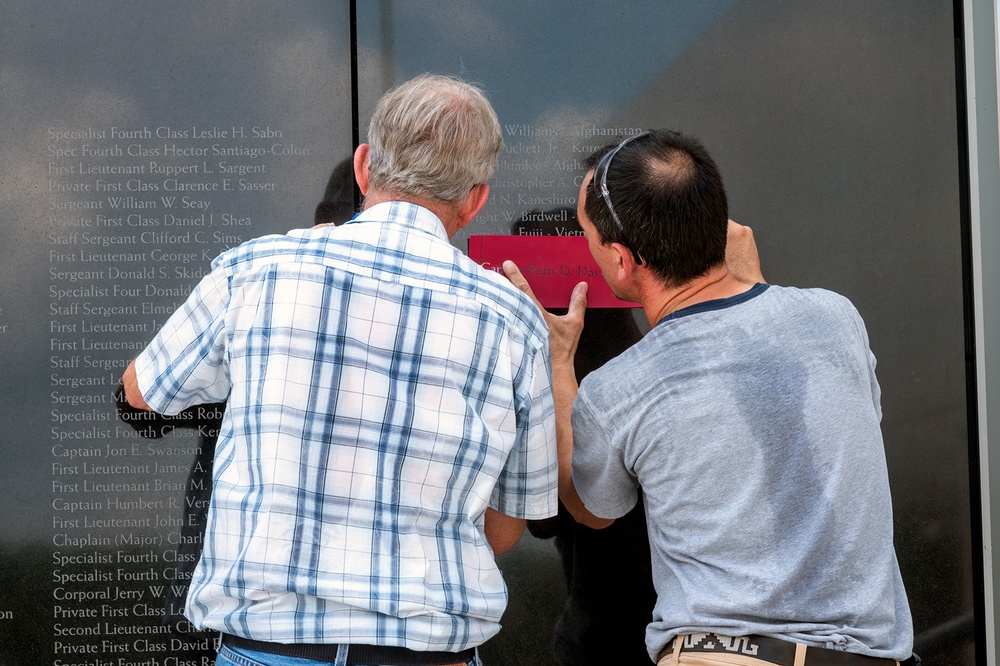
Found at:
[852, 314]
[528, 486]
[602, 479]
[186, 362]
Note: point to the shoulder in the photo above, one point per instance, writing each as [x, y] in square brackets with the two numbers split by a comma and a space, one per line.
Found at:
[258, 247]
[313, 244]
[818, 312]
[494, 291]
[814, 301]
[603, 389]
[817, 295]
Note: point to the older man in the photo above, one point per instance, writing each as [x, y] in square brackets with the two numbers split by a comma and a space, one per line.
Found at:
[389, 425]
[748, 418]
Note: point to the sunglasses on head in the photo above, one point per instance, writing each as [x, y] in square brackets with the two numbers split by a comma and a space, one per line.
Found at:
[600, 184]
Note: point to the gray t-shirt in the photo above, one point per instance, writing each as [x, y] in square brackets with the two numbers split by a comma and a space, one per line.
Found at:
[751, 425]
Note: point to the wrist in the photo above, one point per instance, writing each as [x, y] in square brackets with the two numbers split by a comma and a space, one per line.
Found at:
[563, 361]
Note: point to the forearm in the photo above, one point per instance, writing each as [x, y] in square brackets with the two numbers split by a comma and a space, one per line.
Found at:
[502, 531]
[742, 258]
[565, 387]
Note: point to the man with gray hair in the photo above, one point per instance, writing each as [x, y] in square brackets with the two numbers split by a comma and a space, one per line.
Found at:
[389, 425]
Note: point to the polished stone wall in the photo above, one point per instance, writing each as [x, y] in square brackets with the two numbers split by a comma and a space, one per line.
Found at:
[143, 138]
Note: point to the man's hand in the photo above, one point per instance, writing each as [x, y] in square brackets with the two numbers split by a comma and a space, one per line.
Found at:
[741, 254]
[564, 331]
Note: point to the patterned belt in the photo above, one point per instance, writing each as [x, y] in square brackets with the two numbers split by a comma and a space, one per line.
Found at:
[356, 654]
[773, 650]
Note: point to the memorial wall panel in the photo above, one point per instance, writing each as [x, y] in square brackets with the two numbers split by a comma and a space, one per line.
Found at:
[143, 138]
[140, 140]
[835, 126]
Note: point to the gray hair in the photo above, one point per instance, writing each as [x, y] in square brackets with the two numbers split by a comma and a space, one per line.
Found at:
[433, 137]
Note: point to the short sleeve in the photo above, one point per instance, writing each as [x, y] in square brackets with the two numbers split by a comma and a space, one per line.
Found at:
[851, 312]
[186, 362]
[602, 479]
[528, 486]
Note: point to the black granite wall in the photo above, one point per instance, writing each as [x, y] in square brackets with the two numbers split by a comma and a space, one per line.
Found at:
[140, 139]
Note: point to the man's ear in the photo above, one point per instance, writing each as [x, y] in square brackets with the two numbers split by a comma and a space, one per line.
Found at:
[625, 264]
[361, 167]
[474, 202]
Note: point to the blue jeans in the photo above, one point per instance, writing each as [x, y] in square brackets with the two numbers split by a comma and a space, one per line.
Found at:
[240, 657]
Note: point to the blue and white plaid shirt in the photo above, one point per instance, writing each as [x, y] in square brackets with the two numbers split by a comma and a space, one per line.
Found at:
[383, 390]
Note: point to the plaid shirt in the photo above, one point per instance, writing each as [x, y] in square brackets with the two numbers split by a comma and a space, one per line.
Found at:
[382, 391]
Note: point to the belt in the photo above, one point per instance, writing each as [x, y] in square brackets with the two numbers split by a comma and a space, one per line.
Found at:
[773, 650]
[356, 653]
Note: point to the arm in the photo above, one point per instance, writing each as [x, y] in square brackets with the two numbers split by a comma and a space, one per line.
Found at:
[207, 418]
[565, 386]
[502, 531]
[186, 362]
[564, 335]
[132, 392]
[742, 259]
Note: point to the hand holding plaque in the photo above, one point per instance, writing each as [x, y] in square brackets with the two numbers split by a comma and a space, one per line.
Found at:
[564, 331]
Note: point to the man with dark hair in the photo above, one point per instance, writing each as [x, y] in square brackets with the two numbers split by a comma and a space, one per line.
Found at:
[389, 420]
[749, 420]
[672, 199]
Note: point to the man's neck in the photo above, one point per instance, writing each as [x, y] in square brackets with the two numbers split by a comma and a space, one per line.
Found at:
[659, 300]
[444, 212]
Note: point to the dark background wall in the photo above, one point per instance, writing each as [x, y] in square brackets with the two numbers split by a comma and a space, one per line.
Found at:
[835, 126]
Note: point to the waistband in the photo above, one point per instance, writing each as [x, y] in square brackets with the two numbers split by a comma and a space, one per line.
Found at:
[773, 650]
[356, 653]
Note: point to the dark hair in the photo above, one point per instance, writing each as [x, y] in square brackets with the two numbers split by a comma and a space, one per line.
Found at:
[668, 194]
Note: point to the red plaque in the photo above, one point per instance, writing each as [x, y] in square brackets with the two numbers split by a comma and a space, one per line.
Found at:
[553, 265]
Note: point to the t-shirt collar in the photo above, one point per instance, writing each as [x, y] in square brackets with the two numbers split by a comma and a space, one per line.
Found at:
[716, 304]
